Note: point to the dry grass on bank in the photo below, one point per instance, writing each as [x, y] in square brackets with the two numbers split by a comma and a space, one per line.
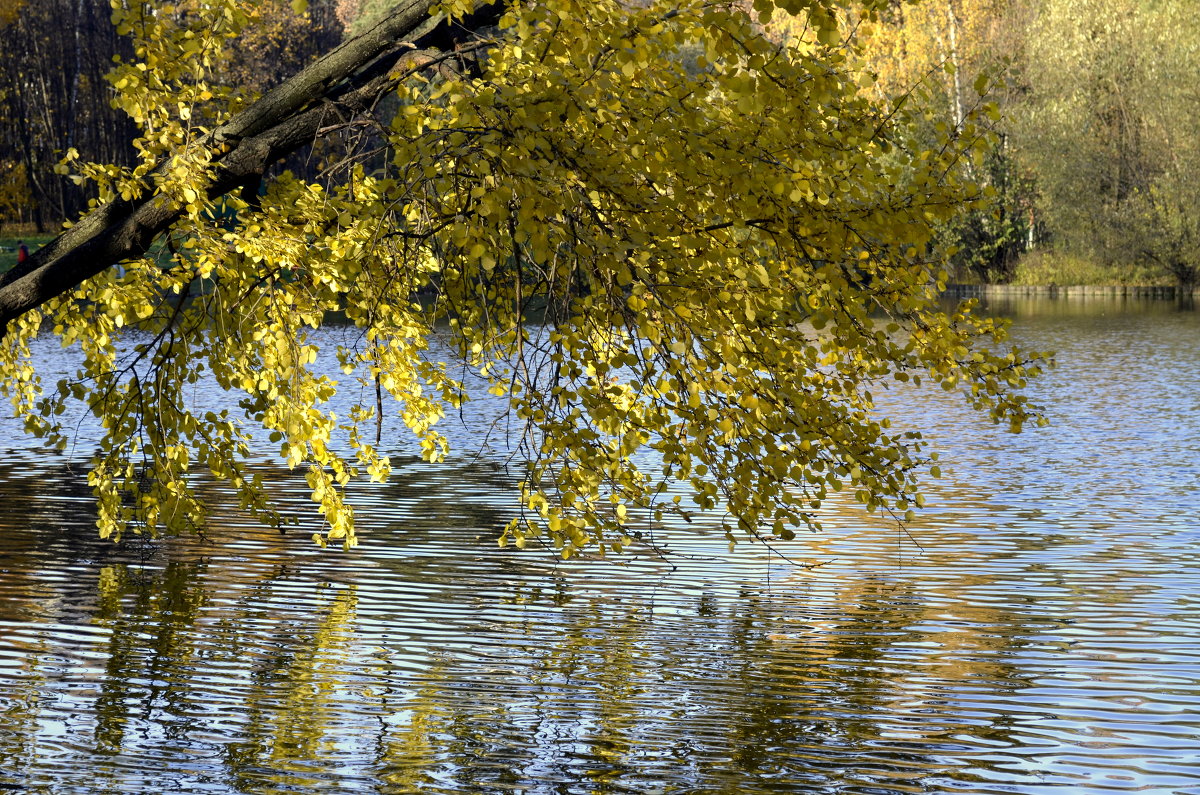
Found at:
[1047, 268]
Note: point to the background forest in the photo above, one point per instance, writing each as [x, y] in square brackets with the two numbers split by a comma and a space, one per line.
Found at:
[1093, 166]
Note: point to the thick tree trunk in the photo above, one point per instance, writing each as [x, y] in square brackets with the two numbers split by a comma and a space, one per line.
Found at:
[286, 118]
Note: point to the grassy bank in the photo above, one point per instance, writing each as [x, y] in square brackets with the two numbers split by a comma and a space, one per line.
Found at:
[1058, 269]
[8, 248]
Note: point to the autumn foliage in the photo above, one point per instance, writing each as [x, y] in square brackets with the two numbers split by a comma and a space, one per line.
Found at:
[687, 253]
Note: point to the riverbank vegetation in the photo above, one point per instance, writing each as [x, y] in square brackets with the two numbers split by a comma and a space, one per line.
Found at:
[1049, 266]
[1093, 168]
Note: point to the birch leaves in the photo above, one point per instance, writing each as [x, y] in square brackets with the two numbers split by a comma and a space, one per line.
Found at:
[686, 255]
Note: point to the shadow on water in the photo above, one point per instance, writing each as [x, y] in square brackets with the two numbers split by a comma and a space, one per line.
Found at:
[1037, 630]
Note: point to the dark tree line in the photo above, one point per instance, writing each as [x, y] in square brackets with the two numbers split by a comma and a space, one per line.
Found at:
[54, 96]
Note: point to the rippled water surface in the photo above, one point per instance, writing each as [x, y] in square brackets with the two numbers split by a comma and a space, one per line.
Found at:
[1038, 630]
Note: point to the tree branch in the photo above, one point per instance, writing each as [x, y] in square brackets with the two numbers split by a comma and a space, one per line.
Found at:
[353, 75]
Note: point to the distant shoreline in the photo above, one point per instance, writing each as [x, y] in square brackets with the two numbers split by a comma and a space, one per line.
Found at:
[1138, 291]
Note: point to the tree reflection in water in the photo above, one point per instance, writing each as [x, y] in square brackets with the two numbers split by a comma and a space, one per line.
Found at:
[256, 668]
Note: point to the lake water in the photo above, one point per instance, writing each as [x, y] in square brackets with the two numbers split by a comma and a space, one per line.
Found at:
[1036, 631]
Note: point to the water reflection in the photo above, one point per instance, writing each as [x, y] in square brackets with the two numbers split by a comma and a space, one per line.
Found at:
[1036, 631]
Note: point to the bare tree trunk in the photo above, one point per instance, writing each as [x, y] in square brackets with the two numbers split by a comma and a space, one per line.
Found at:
[73, 105]
[957, 98]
